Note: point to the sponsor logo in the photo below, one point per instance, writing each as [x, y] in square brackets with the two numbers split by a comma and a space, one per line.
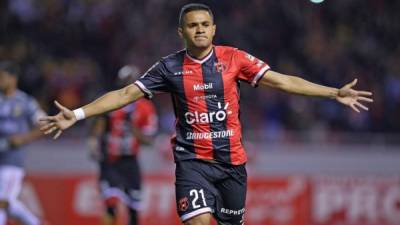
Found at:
[232, 212]
[209, 135]
[202, 87]
[208, 117]
[220, 67]
[183, 204]
[356, 200]
[204, 97]
[184, 72]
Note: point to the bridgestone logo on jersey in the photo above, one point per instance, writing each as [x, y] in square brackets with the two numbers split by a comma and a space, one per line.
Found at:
[208, 117]
[209, 135]
[201, 87]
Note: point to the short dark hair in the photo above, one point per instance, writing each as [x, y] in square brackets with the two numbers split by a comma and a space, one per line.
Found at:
[193, 7]
[10, 67]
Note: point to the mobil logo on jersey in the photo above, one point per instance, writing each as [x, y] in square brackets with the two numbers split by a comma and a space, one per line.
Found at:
[208, 117]
[202, 87]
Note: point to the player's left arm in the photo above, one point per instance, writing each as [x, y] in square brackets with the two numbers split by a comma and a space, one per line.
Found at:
[296, 85]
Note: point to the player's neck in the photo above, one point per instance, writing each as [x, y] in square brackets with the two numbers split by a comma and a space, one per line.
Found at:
[199, 53]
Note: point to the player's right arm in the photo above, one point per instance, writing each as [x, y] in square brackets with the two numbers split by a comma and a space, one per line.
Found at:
[108, 102]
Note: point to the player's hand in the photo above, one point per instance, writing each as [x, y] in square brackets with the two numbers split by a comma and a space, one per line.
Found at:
[353, 98]
[58, 123]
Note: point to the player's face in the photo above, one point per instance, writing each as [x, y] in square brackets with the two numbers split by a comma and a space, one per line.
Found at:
[198, 29]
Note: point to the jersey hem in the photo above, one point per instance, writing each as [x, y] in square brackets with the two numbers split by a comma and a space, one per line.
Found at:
[190, 215]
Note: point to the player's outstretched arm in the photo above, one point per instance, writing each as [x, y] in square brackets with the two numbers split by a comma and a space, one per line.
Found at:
[108, 102]
[296, 85]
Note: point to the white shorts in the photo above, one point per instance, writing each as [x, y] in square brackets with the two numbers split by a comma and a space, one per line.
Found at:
[10, 182]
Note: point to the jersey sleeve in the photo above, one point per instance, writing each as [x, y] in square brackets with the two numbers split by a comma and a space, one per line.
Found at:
[251, 69]
[153, 81]
[145, 118]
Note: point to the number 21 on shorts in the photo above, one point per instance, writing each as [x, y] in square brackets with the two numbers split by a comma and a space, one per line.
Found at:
[195, 194]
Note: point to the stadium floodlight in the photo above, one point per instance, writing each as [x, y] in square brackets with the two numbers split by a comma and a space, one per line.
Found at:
[317, 1]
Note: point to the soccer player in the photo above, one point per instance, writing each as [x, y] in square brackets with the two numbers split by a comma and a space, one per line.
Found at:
[115, 141]
[203, 80]
[19, 117]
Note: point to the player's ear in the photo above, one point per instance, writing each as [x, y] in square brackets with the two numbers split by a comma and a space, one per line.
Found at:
[214, 29]
[180, 32]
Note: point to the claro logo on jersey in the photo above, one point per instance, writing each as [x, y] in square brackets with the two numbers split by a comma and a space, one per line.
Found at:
[208, 117]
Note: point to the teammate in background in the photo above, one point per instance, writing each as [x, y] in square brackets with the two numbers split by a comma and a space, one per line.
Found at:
[203, 80]
[19, 117]
[114, 141]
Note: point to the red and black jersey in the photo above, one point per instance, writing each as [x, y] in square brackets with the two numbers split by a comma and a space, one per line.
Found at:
[205, 95]
[118, 139]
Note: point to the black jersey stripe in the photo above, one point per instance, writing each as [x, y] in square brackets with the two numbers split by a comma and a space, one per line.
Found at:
[185, 147]
[221, 145]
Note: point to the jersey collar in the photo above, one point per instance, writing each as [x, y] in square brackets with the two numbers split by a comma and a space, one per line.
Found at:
[200, 61]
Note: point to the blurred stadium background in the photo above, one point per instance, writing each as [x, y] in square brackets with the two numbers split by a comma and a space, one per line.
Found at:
[312, 161]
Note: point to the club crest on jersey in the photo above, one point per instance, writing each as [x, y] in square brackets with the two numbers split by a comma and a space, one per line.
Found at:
[220, 67]
[183, 204]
